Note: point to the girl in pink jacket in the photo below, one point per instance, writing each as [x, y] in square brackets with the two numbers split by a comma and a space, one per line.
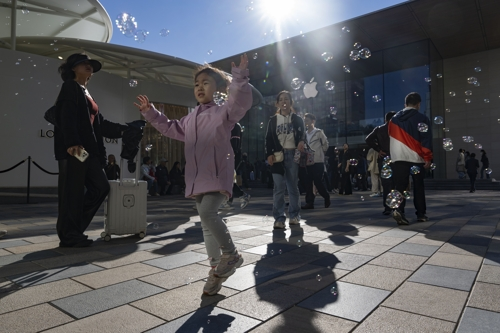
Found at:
[209, 157]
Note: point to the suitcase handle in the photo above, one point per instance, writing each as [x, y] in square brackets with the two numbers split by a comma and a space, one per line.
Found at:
[137, 171]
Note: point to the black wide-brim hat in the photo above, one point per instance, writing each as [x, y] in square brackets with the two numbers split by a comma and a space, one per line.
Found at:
[78, 58]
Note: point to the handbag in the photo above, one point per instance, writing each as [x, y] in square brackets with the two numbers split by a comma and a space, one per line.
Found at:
[279, 156]
[305, 158]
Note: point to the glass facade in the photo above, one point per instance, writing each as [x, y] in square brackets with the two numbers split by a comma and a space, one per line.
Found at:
[360, 99]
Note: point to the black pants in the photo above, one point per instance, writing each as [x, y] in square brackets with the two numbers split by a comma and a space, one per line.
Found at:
[77, 207]
[387, 184]
[361, 182]
[345, 183]
[162, 187]
[401, 177]
[472, 178]
[315, 174]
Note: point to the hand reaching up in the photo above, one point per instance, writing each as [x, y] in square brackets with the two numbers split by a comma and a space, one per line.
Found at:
[144, 104]
[243, 62]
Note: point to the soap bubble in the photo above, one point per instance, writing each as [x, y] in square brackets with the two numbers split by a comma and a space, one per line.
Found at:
[280, 251]
[357, 45]
[447, 144]
[468, 100]
[407, 195]
[318, 278]
[468, 139]
[478, 146]
[452, 94]
[354, 55]
[189, 280]
[356, 94]
[428, 79]
[265, 219]
[272, 252]
[155, 226]
[209, 52]
[394, 199]
[365, 53]
[446, 129]
[477, 69]
[24, 10]
[248, 8]
[333, 290]
[329, 85]
[256, 273]
[438, 120]
[296, 84]
[433, 166]
[353, 162]
[387, 160]
[376, 98]
[346, 29]
[149, 147]
[164, 32]
[360, 176]
[255, 56]
[486, 100]
[488, 171]
[126, 24]
[229, 22]
[422, 127]
[326, 56]
[140, 36]
[362, 197]
[219, 98]
[333, 110]
[132, 83]
[471, 80]
[439, 76]
[299, 243]
[447, 110]
[468, 92]
[347, 69]
[386, 172]
[477, 84]
[415, 170]
[261, 125]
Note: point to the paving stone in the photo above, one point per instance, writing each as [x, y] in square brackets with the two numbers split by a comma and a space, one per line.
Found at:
[187, 298]
[299, 320]
[479, 321]
[415, 249]
[472, 240]
[265, 300]
[419, 239]
[21, 268]
[34, 247]
[176, 248]
[323, 234]
[4, 253]
[383, 240]
[54, 274]
[26, 257]
[124, 319]
[34, 319]
[286, 261]
[452, 260]
[130, 248]
[26, 297]
[470, 250]
[121, 260]
[208, 319]
[5, 244]
[352, 302]
[311, 277]
[274, 247]
[177, 277]
[485, 296]
[362, 233]
[71, 259]
[251, 275]
[176, 260]
[427, 300]
[341, 240]
[367, 249]
[257, 240]
[491, 258]
[377, 277]
[95, 301]
[385, 320]
[248, 233]
[116, 275]
[444, 277]
[240, 227]
[342, 260]
[494, 246]
[401, 233]
[489, 274]
[318, 249]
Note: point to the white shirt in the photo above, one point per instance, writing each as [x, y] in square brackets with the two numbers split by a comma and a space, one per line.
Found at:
[284, 129]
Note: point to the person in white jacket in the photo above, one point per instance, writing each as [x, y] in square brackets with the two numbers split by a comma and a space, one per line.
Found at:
[374, 173]
[318, 142]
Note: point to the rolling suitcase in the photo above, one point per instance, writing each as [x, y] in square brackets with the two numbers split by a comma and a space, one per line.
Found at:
[126, 207]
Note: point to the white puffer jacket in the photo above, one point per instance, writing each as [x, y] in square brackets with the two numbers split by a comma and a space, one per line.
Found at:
[318, 143]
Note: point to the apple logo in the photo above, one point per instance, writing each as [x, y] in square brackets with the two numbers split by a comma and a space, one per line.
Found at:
[310, 89]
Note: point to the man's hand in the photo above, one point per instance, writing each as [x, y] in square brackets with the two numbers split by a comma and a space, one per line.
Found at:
[427, 164]
[382, 153]
[270, 160]
[300, 146]
[75, 150]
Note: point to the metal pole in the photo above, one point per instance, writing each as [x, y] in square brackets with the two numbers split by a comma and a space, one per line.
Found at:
[13, 25]
[29, 178]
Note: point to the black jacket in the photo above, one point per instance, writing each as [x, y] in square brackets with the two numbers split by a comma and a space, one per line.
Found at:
[161, 174]
[379, 139]
[75, 127]
[472, 165]
[236, 134]
[344, 158]
[273, 143]
[485, 161]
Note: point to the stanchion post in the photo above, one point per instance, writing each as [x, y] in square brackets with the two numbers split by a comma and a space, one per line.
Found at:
[29, 178]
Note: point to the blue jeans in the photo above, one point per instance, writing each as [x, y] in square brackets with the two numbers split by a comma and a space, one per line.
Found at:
[289, 179]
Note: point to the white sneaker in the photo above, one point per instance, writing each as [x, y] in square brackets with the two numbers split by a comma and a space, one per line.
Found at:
[279, 225]
[213, 284]
[374, 195]
[294, 221]
[244, 200]
[3, 233]
[226, 206]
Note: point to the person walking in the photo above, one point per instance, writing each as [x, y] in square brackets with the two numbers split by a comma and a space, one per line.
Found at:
[162, 176]
[485, 164]
[379, 140]
[285, 133]
[460, 164]
[345, 175]
[112, 170]
[209, 169]
[471, 166]
[82, 183]
[411, 153]
[317, 141]
[374, 171]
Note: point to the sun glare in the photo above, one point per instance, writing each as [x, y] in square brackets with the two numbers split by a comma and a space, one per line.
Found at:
[278, 10]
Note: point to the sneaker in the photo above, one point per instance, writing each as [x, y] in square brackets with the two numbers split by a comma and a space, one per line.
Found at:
[422, 218]
[400, 217]
[226, 206]
[279, 225]
[213, 284]
[157, 194]
[3, 233]
[294, 221]
[373, 195]
[307, 206]
[228, 264]
[244, 200]
[327, 202]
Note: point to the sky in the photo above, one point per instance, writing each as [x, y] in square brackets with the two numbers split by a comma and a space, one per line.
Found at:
[224, 28]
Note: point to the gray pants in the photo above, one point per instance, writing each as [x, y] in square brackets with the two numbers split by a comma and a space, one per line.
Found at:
[215, 233]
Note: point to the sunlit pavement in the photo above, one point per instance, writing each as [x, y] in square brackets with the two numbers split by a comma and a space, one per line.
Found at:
[347, 268]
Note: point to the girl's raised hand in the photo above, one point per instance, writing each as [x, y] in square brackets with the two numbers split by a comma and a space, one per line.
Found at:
[243, 62]
[144, 104]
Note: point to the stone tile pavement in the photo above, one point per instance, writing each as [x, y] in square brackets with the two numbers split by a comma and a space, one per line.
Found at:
[344, 269]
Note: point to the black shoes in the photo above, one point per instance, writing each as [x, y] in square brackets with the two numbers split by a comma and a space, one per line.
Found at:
[308, 206]
[82, 243]
[422, 218]
[400, 217]
[327, 202]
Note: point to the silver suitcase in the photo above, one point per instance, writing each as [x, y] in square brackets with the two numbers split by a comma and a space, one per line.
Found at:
[126, 207]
